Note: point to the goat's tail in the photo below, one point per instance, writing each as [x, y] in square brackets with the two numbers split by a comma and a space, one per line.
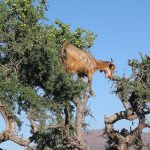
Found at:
[63, 50]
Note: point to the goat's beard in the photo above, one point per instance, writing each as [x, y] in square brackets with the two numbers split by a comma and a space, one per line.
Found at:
[109, 76]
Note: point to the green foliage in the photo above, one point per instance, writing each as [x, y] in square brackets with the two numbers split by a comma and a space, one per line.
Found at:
[139, 83]
[80, 37]
[51, 139]
[134, 93]
[30, 60]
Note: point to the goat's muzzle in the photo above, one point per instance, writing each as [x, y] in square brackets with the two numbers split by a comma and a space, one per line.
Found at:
[111, 78]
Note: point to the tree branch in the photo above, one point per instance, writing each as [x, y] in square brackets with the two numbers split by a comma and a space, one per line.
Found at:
[10, 132]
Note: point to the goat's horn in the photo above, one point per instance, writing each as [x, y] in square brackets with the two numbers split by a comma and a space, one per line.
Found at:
[111, 60]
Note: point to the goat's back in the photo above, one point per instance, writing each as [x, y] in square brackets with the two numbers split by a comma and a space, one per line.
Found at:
[77, 60]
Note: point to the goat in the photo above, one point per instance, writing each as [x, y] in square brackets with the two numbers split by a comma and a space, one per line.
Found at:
[84, 64]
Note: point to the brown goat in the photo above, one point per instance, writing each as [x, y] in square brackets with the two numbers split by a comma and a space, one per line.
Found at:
[83, 64]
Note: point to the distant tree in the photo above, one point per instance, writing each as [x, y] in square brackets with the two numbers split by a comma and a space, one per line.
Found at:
[134, 93]
[33, 80]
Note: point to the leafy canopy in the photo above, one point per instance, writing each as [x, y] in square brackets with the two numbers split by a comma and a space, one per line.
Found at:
[31, 73]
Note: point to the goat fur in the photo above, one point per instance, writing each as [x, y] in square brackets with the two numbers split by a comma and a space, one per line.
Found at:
[84, 64]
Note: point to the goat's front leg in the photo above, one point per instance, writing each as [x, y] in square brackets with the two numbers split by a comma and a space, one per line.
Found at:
[90, 84]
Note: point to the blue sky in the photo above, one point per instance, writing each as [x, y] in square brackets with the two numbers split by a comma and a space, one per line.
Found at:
[123, 30]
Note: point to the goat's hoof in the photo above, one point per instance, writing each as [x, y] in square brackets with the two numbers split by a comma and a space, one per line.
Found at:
[91, 93]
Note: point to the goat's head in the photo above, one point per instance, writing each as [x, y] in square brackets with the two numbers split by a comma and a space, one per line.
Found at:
[110, 73]
[109, 70]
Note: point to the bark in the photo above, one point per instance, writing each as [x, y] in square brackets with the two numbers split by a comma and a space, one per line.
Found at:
[80, 114]
[79, 119]
[67, 121]
[10, 131]
[124, 140]
[76, 141]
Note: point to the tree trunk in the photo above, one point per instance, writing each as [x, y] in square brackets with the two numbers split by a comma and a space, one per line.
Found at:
[79, 120]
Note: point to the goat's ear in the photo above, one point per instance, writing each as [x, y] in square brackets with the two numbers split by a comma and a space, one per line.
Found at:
[112, 66]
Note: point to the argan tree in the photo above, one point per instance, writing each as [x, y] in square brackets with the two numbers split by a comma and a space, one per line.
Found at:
[134, 94]
[33, 80]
